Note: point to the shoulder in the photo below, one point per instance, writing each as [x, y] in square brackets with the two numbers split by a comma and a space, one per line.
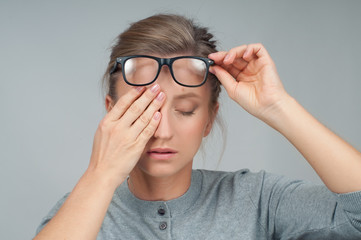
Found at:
[245, 182]
[215, 182]
[243, 177]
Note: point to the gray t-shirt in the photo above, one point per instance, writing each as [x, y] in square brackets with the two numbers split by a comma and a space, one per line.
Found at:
[234, 205]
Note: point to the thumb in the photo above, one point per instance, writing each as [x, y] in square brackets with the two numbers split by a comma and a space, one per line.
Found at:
[226, 79]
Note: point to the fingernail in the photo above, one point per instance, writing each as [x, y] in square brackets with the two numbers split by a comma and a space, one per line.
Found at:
[157, 115]
[246, 52]
[227, 57]
[139, 89]
[212, 70]
[160, 96]
[155, 88]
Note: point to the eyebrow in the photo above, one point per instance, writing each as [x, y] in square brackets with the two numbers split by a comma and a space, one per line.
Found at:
[186, 95]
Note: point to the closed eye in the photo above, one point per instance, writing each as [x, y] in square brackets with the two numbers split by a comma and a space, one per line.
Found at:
[187, 113]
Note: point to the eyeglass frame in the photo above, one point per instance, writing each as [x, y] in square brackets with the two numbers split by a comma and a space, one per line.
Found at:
[161, 62]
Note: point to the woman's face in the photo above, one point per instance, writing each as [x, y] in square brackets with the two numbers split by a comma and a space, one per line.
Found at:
[185, 121]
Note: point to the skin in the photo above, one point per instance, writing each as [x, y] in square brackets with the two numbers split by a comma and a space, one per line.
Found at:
[130, 129]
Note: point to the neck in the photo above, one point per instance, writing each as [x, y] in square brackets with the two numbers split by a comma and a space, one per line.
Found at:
[152, 188]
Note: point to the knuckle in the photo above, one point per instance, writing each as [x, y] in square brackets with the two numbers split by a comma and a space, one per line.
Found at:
[252, 45]
[150, 94]
[144, 119]
[155, 105]
[128, 95]
[147, 133]
[120, 102]
[135, 109]
[240, 48]
[119, 106]
[259, 45]
[232, 50]
[103, 125]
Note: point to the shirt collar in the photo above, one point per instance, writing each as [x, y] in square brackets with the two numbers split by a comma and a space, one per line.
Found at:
[172, 207]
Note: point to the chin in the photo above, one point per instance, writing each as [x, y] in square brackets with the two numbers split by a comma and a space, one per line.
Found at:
[162, 169]
[158, 171]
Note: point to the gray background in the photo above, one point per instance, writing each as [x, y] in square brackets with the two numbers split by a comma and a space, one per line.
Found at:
[53, 54]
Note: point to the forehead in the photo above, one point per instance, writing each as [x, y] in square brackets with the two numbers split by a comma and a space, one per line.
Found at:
[173, 90]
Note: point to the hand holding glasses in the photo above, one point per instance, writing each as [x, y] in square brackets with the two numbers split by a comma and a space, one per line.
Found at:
[141, 70]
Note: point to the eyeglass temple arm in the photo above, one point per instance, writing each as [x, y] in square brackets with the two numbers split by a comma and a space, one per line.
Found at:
[112, 70]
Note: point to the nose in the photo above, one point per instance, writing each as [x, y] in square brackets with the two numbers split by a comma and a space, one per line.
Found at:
[164, 72]
[165, 128]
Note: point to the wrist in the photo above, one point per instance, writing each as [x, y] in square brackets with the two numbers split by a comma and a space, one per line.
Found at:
[280, 113]
[102, 178]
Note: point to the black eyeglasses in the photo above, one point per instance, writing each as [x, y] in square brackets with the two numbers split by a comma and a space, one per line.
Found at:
[141, 70]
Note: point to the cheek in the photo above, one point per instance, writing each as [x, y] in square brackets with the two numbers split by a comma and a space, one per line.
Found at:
[191, 129]
[122, 87]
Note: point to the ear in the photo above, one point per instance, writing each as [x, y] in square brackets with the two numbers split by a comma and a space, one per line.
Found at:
[211, 120]
[108, 103]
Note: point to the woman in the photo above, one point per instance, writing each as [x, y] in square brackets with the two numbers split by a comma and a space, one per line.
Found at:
[140, 183]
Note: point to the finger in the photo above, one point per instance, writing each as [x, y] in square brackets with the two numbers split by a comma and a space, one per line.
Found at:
[146, 117]
[149, 131]
[233, 58]
[226, 79]
[240, 63]
[234, 53]
[256, 50]
[218, 57]
[138, 106]
[234, 72]
[123, 103]
[237, 66]
[234, 69]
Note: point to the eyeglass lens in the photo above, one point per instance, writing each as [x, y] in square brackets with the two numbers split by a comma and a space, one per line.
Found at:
[142, 70]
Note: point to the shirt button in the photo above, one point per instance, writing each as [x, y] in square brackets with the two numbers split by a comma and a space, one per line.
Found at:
[161, 211]
[162, 225]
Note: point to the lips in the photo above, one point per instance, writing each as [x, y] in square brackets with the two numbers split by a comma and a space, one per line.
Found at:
[161, 153]
[162, 150]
